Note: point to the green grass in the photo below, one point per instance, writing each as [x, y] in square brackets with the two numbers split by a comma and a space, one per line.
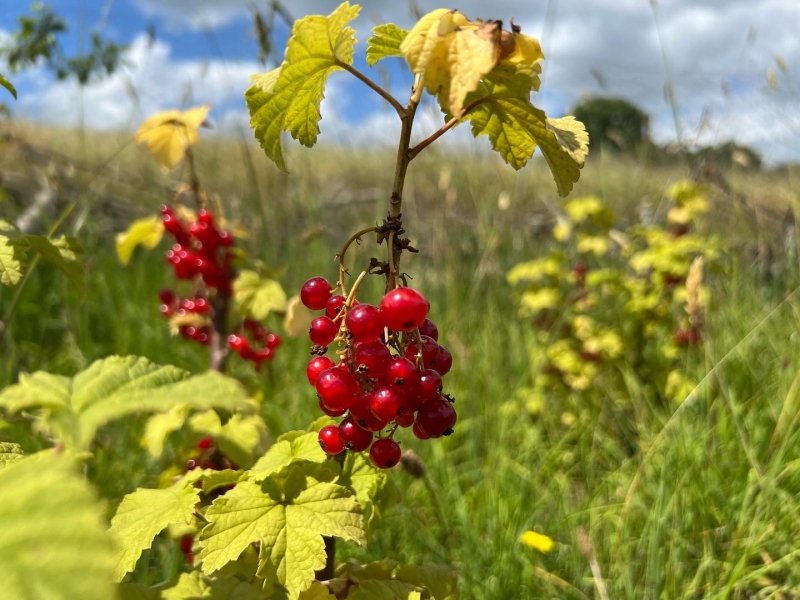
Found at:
[707, 507]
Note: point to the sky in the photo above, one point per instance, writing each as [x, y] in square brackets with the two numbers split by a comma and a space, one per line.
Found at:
[719, 54]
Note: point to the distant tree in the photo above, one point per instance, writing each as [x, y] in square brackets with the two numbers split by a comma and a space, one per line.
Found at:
[614, 123]
[730, 154]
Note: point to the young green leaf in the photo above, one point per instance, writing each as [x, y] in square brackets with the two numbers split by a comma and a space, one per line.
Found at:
[373, 488]
[62, 252]
[385, 42]
[379, 589]
[317, 591]
[147, 232]
[441, 582]
[53, 542]
[192, 586]
[8, 85]
[288, 98]
[288, 516]
[10, 453]
[256, 296]
[301, 448]
[73, 408]
[144, 514]
[12, 254]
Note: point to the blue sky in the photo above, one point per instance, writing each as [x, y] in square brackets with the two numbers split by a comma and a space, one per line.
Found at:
[205, 50]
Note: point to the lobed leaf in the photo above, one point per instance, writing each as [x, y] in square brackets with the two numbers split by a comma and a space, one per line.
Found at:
[288, 517]
[373, 488]
[10, 453]
[12, 254]
[169, 134]
[53, 542]
[192, 586]
[62, 252]
[147, 232]
[256, 296]
[385, 589]
[303, 447]
[288, 98]
[144, 514]
[385, 42]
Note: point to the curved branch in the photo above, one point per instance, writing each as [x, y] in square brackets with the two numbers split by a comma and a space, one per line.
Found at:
[444, 128]
[374, 86]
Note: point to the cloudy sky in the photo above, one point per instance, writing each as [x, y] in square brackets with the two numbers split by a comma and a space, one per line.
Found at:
[719, 54]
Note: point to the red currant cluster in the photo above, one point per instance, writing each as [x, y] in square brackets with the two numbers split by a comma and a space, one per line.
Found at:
[390, 374]
[263, 344]
[202, 253]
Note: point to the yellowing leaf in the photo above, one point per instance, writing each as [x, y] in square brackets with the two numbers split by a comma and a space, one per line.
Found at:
[169, 134]
[385, 42]
[381, 589]
[12, 254]
[143, 514]
[537, 541]
[256, 296]
[147, 232]
[288, 517]
[452, 55]
[527, 51]
[298, 318]
[193, 586]
[288, 98]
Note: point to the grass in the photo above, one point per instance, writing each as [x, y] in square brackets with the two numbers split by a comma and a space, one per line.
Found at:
[707, 507]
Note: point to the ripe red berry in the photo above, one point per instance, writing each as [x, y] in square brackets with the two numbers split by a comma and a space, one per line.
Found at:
[405, 419]
[238, 343]
[205, 443]
[430, 351]
[316, 366]
[186, 544]
[403, 373]
[444, 362]
[337, 388]
[418, 432]
[355, 438]
[167, 296]
[205, 216]
[201, 305]
[372, 359]
[329, 411]
[272, 340]
[364, 323]
[362, 414]
[322, 331]
[385, 453]
[430, 385]
[329, 440]
[315, 293]
[404, 309]
[334, 305]
[436, 418]
[429, 328]
[385, 402]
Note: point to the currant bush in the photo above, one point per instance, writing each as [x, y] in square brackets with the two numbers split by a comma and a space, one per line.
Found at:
[389, 375]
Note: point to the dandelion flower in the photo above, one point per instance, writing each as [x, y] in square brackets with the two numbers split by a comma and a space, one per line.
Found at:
[537, 541]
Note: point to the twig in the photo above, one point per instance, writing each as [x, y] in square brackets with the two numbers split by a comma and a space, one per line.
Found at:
[374, 86]
[412, 154]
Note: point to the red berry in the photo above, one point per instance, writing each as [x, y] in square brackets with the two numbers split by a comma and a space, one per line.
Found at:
[364, 323]
[385, 403]
[430, 351]
[405, 419]
[322, 331]
[334, 305]
[430, 385]
[272, 340]
[201, 305]
[316, 366]
[337, 388]
[205, 443]
[404, 309]
[329, 411]
[444, 362]
[362, 414]
[167, 296]
[186, 544]
[315, 293]
[403, 373]
[412, 402]
[205, 216]
[429, 328]
[385, 453]
[372, 358]
[238, 344]
[418, 432]
[329, 439]
[436, 418]
[354, 438]
[166, 310]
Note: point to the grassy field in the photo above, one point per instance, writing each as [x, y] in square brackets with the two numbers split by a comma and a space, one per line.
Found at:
[706, 506]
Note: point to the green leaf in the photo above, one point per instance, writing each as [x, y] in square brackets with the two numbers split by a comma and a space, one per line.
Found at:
[385, 42]
[159, 427]
[144, 514]
[62, 252]
[74, 408]
[8, 85]
[317, 591]
[147, 232]
[53, 542]
[302, 447]
[515, 128]
[381, 589]
[373, 488]
[288, 517]
[217, 479]
[256, 296]
[441, 582]
[193, 586]
[137, 591]
[288, 98]
[10, 453]
[240, 438]
[12, 254]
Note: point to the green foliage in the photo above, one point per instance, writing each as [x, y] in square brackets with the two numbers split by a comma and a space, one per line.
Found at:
[72, 409]
[291, 448]
[143, 514]
[194, 585]
[10, 453]
[53, 543]
[62, 252]
[288, 98]
[385, 42]
[258, 296]
[8, 85]
[384, 578]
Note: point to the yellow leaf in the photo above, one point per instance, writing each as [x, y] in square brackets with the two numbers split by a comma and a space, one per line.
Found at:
[189, 319]
[527, 51]
[537, 541]
[452, 54]
[298, 318]
[147, 232]
[169, 134]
